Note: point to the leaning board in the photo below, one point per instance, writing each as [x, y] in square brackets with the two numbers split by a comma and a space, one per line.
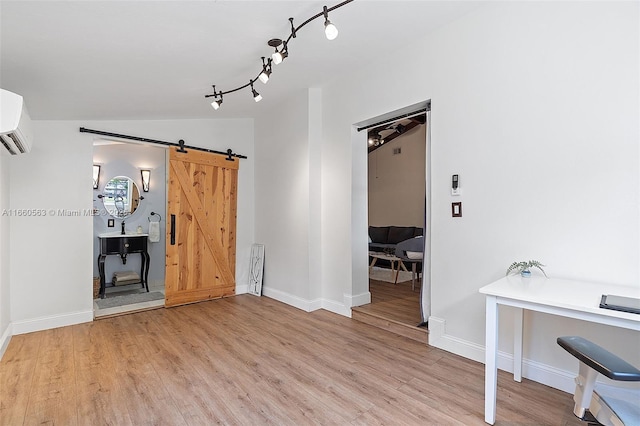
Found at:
[256, 267]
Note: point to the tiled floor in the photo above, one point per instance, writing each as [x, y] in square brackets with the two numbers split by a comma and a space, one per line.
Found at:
[107, 312]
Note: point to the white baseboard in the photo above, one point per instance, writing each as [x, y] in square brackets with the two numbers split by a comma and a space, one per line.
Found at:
[5, 339]
[242, 289]
[289, 299]
[358, 299]
[533, 370]
[307, 305]
[336, 307]
[53, 321]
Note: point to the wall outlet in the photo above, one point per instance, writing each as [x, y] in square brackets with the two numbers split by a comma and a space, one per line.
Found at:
[110, 223]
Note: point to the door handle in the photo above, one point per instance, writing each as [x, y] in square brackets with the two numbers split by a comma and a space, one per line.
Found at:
[173, 229]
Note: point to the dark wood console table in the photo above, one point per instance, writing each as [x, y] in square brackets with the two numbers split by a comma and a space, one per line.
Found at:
[123, 245]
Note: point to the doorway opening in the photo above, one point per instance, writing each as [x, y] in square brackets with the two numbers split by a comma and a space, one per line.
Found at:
[397, 213]
[128, 227]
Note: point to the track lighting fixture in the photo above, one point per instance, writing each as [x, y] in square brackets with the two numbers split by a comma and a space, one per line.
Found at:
[256, 96]
[330, 30]
[279, 55]
[266, 71]
[281, 52]
[216, 102]
[276, 56]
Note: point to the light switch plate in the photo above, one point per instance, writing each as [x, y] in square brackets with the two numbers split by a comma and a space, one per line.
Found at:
[110, 223]
[456, 209]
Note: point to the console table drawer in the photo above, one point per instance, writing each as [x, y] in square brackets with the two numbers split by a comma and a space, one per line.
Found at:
[134, 245]
[123, 245]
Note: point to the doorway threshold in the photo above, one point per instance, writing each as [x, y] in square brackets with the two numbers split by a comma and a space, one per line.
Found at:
[131, 309]
[124, 306]
[394, 307]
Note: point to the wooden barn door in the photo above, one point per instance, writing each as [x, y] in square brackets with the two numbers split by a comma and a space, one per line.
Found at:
[201, 227]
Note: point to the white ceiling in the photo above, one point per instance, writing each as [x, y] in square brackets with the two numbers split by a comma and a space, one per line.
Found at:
[157, 59]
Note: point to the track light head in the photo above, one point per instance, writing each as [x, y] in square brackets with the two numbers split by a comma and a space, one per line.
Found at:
[266, 71]
[216, 102]
[276, 57]
[256, 96]
[284, 52]
[264, 75]
[330, 30]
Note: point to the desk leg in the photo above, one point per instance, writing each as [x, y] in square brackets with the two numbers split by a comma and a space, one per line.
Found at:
[517, 344]
[491, 358]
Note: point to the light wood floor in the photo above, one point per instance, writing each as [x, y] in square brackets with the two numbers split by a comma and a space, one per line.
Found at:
[251, 361]
[396, 302]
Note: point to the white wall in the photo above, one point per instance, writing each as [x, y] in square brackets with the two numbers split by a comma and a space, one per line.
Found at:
[5, 294]
[52, 256]
[535, 106]
[282, 199]
[396, 182]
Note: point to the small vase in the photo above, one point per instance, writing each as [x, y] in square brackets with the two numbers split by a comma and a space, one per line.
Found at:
[526, 273]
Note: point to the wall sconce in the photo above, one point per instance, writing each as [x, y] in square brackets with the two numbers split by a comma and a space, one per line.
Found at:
[96, 176]
[146, 177]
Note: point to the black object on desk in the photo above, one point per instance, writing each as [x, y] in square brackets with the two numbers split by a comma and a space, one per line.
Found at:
[123, 246]
[620, 303]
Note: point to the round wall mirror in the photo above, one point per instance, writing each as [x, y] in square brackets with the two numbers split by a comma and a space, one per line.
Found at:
[121, 197]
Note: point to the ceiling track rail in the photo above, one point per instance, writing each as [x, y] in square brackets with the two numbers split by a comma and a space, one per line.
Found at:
[180, 145]
[399, 117]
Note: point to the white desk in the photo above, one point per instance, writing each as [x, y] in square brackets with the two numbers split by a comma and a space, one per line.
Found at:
[567, 298]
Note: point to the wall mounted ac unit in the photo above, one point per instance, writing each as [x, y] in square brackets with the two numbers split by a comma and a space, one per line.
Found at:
[15, 125]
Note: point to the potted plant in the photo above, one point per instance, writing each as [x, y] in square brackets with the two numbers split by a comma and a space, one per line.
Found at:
[524, 268]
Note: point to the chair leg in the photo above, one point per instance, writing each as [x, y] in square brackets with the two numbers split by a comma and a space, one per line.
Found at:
[585, 383]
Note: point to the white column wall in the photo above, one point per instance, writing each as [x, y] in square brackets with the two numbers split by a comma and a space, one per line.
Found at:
[535, 106]
[283, 199]
[52, 256]
[5, 293]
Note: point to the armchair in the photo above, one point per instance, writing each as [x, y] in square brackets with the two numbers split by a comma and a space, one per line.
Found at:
[411, 251]
[591, 405]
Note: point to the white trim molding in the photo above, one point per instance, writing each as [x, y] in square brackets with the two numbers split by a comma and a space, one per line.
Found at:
[307, 305]
[533, 370]
[357, 299]
[289, 299]
[53, 321]
[5, 339]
